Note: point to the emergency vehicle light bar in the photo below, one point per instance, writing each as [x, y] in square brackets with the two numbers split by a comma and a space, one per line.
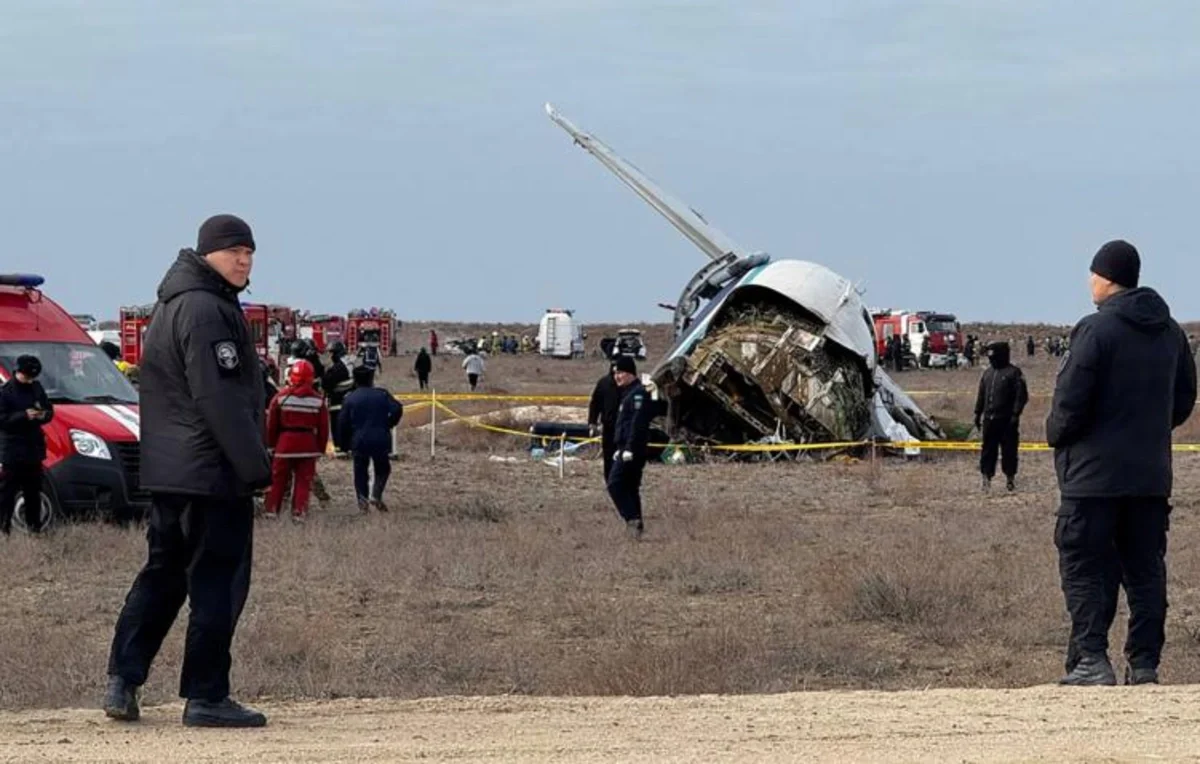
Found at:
[26, 280]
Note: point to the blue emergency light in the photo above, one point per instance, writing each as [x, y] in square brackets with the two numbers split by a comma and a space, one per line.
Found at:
[25, 280]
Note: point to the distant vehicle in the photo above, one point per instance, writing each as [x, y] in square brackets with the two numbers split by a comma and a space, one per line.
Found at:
[945, 337]
[93, 459]
[628, 342]
[86, 321]
[560, 334]
[134, 321]
[370, 328]
[106, 335]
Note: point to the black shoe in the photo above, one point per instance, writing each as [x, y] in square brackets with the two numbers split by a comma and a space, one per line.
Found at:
[987, 483]
[1091, 671]
[1141, 675]
[121, 700]
[221, 713]
[1011, 484]
[379, 505]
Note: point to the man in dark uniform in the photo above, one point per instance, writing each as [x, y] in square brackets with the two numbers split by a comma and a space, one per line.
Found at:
[203, 457]
[24, 410]
[602, 413]
[998, 407]
[338, 384]
[1126, 381]
[630, 440]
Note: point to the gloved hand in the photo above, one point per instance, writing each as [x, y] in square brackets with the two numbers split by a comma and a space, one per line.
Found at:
[593, 430]
[626, 456]
[978, 423]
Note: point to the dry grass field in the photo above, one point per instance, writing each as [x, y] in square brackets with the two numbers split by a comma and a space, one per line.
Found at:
[498, 577]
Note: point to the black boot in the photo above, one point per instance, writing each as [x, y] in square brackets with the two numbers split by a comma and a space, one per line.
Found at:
[1011, 483]
[121, 700]
[221, 713]
[1141, 675]
[1091, 671]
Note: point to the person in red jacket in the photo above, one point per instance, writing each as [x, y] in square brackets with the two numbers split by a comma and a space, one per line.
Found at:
[297, 431]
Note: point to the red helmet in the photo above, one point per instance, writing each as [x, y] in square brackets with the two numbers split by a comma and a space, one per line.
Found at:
[301, 373]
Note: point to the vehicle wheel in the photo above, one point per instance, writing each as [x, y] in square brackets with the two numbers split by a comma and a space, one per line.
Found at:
[50, 511]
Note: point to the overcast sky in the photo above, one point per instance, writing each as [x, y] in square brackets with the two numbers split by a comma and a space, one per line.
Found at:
[968, 157]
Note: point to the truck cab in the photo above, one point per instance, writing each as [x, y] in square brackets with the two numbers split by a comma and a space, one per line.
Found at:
[93, 457]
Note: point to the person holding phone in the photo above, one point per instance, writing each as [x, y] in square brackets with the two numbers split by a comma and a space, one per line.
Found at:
[24, 410]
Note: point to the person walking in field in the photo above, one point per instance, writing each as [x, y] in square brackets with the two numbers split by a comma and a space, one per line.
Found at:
[474, 367]
[1126, 380]
[368, 416]
[1002, 398]
[423, 366]
[297, 431]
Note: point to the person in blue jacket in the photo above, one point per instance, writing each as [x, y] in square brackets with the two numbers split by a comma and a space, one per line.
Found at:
[368, 415]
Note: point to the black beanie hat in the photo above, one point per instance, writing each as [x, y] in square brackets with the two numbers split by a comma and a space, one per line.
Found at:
[363, 376]
[1119, 262]
[625, 363]
[223, 232]
[29, 365]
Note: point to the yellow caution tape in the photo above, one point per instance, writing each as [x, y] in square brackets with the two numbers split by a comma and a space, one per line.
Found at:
[929, 445]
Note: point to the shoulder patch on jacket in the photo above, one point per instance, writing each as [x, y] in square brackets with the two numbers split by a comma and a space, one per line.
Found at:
[227, 357]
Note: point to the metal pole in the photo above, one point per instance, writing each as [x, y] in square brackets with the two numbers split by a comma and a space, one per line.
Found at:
[432, 424]
[562, 455]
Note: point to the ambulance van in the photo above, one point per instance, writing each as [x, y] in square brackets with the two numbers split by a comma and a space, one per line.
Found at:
[92, 453]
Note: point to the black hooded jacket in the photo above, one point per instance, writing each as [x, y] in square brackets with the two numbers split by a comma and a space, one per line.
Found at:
[1127, 381]
[201, 389]
[21, 438]
[1002, 390]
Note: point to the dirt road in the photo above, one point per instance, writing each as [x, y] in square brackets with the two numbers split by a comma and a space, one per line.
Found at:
[1040, 724]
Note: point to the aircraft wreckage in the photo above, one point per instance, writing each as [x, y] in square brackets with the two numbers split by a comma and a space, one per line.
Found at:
[766, 351]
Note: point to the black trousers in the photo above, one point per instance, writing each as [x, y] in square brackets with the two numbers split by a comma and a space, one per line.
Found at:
[1104, 544]
[625, 488]
[24, 479]
[473, 380]
[423, 381]
[1000, 438]
[607, 450]
[362, 475]
[199, 550]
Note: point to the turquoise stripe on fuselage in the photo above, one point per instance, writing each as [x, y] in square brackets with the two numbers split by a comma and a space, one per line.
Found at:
[700, 327]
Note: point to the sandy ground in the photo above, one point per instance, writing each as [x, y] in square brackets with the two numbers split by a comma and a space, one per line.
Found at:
[1039, 724]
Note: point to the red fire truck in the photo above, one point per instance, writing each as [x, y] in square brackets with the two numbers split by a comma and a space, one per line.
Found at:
[92, 454]
[134, 320]
[323, 329]
[945, 337]
[370, 327]
[938, 331]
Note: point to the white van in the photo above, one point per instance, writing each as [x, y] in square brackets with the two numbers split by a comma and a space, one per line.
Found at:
[560, 334]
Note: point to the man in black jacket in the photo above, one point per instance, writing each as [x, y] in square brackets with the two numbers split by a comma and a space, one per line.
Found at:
[1125, 383]
[203, 457]
[24, 410]
[602, 413]
[422, 366]
[630, 439]
[338, 384]
[1002, 397]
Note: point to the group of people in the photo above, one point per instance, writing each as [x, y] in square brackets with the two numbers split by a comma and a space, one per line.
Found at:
[1128, 381]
